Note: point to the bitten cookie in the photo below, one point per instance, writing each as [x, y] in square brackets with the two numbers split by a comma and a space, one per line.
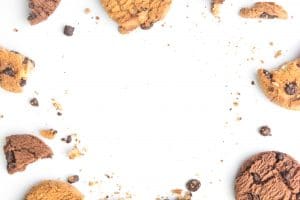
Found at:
[266, 10]
[130, 14]
[282, 86]
[40, 10]
[14, 70]
[268, 176]
[22, 150]
[215, 6]
[53, 190]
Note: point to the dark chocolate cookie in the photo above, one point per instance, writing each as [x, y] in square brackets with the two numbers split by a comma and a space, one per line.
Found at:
[268, 176]
[40, 10]
[22, 150]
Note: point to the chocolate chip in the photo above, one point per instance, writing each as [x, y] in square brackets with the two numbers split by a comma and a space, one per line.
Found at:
[31, 16]
[271, 89]
[252, 82]
[256, 178]
[298, 196]
[11, 161]
[267, 16]
[9, 71]
[34, 102]
[146, 26]
[23, 82]
[251, 196]
[193, 185]
[265, 131]
[268, 74]
[73, 179]
[279, 156]
[286, 175]
[291, 88]
[298, 64]
[59, 114]
[25, 61]
[68, 139]
[69, 30]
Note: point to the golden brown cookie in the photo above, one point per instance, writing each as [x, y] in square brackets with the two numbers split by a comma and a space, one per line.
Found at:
[53, 190]
[266, 10]
[40, 10]
[282, 86]
[215, 6]
[130, 14]
[14, 69]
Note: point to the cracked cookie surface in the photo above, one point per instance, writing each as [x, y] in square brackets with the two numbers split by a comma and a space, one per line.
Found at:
[282, 86]
[268, 175]
[53, 190]
[40, 10]
[14, 70]
[130, 14]
[264, 10]
[215, 6]
[22, 150]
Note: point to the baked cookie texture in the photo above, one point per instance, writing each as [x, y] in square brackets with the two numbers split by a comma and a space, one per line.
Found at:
[268, 176]
[22, 150]
[282, 86]
[40, 10]
[130, 14]
[215, 6]
[265, 10]
[53, 190]
[14, 70]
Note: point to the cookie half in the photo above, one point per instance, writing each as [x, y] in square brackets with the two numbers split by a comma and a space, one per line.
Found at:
[22, 150]
[265, 10]
[53, 190]
[40, 10]
[268, 176]
[215, 6]
[14, 70]
[282, 86]
[130, 14]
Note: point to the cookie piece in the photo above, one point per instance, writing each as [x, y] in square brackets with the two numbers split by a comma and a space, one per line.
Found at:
[40, 10]
[215, 6]
[130, 14]
[53, 190]
[265, 10]
[268, 175]
[22, 150]
[14, 69]
[282, 86]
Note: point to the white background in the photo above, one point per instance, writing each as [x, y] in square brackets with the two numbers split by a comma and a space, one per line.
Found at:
[152, 106]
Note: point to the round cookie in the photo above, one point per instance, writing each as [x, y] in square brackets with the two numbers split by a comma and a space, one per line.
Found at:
[14, 69]
[282, 86]
[268, 176]
[53, 190]
[130, 14]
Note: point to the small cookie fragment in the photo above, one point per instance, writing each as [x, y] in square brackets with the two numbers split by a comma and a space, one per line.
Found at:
[131, 14]
[75, 153]
[215, 7]
[282, 86]
[40, 10]
[48, 133]
[264, 10]
[68, 30]
[22, 150]
[268, 175]
[73, 179]
[53, 190]
[14, 70]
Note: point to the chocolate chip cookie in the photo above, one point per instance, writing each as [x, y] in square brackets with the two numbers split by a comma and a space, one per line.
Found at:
[53, 190]
[22, 150]
[215, 6]
[40, 10]
[282, 86]
[130, 14]
[14, 70]
[265, 10]
[268, 176]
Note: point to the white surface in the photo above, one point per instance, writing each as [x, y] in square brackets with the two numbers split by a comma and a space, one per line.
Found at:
[151, 106]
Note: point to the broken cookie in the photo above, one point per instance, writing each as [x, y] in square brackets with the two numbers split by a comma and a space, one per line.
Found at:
[14, 70]
[282, 86]
[215, 6]
[130, 14]
[265, 10]
[40, 10]
[22, 150]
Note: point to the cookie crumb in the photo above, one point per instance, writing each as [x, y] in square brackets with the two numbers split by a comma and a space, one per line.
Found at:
[193, 185]
[252, 82]
[75, 153]
[278, 54]
[73, 179]
[264, 10]
[15, 30]
[69, 30]
[34, 102]
[48, 133]
[265, 131]
[87, 10]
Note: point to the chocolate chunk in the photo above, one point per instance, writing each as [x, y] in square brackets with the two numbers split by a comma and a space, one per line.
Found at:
[286, 175]
[193, 185]
[69, 30]
[73, 179]
[34, 102]
[256, 178]
[267, 16]
[25, 61]
[9, 71]
[268, 74]
[23, 82]
[265, 131]
[68, 139]
[251, 196]
[146, 26]
[291, 88]
[298, 196]
[279, 156]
